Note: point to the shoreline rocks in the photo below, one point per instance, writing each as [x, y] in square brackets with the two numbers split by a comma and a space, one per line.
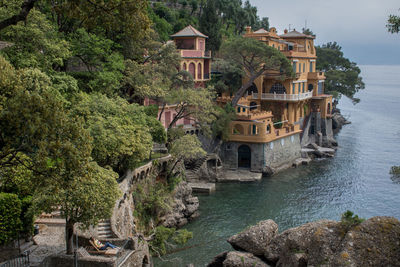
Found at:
[184, 209]
[374, 242]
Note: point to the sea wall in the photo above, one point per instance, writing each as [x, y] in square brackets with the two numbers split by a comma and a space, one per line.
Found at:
[265, 157]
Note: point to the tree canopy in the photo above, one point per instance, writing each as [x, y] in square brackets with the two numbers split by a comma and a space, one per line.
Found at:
[255, 58]
[342, 75]
[393, 24]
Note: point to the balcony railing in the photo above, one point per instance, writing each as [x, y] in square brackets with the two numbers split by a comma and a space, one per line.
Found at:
[284, 97]
[195, 53]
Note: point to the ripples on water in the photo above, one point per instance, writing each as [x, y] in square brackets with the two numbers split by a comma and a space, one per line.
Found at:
[356, 179]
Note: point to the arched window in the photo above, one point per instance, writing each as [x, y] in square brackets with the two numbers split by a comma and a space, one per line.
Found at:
[238, 109]
[278, 88]
[199, 72]
[238, 129]
[269, 128]
[184, 66]
[192, 68]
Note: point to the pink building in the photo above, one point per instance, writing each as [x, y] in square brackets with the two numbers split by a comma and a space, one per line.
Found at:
[197, 61]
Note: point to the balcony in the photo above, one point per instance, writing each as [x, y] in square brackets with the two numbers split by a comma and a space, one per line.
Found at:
[284, 97]
[195, 54]
[259, 132]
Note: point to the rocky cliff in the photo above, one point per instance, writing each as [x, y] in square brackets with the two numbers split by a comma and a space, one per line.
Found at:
[184, 208]
[374, 242]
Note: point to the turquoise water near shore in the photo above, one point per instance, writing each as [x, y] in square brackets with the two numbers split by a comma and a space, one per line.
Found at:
[356, 179]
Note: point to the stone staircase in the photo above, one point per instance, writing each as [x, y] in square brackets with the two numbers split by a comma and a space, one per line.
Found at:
[104, 230]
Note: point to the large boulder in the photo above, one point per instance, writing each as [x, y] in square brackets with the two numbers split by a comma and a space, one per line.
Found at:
[374, 242]
[299, 239]
[256, 238]
[242, 259]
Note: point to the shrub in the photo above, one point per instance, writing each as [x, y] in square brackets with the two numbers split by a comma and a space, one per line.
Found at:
[349, 220]
[395, 171]
[10, 212]
[27, 216]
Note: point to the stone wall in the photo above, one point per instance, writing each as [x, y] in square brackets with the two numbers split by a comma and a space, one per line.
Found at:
[265, 157]
[122, 219]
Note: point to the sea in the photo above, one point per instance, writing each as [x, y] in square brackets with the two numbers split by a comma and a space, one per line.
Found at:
[356, 179]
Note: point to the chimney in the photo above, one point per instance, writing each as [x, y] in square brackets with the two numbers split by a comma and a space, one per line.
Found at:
[285, 31]
[248, 29]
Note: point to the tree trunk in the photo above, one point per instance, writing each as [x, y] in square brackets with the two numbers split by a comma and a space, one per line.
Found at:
[245, 86]
[26, 7]
[69, 234]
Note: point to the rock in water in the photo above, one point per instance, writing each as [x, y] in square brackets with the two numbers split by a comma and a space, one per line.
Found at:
[299, 240]
[242, 259]
[255, 238]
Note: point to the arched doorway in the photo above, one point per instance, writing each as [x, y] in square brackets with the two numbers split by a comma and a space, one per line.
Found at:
[277, 88]
[244, 156]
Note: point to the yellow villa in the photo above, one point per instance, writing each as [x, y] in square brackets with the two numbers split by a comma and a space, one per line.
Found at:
[273, 114]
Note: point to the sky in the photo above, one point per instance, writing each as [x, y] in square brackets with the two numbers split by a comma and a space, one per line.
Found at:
[358, 26]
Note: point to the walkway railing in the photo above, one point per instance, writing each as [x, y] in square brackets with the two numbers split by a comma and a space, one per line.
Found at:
[284, 97]
[21, 260]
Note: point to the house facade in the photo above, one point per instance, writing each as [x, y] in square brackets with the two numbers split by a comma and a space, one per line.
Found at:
[196, 60]
[272, 114]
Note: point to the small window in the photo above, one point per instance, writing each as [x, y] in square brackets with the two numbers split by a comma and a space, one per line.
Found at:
[238, 109]
[304, 67]
[293, 88]
[254, 129]
[243, 110]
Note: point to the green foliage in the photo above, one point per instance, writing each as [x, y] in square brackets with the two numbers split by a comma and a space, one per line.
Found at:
[228, 77]
[37, 44]
[182, 236]
[27, 216]
[159, 244]
[342, 75]
[187, 147]
[220, 126]
[395, 171]
[210, 25]
[122, 133]
[393, 24]
[151, 200]
[175, 133]
[349, 220]
[100, 58]
[254, 57]
[10, 212]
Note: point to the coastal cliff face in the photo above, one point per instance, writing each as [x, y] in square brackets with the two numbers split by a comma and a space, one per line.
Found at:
[374, 242]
